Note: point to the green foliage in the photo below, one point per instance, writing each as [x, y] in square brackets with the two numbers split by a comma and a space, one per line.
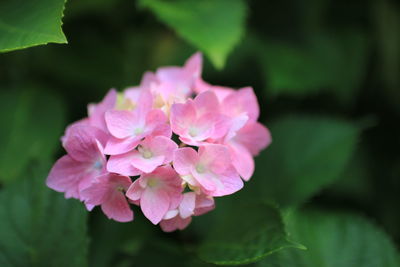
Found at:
[127, 239]
[32, 123]
[335, 240]
[337, 58]
[213, 26]
[307, 154]
[30, 23]
[39, 227]
[244, 233]
[334, 61]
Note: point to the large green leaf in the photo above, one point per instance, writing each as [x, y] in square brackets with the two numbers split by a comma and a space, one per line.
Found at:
[29, 23]
[335, 240]
[244, 233]
[128, 239]
[39, 227]
[307, 154]
[334, 62]
[32, 122]
[213, 26]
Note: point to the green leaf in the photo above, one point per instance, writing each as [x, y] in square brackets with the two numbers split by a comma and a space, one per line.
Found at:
[307, 154]
[32, 123]
[213, 26]
[127, 238]
[30, 23]
[335, 240]
[321, 63]
[244, 233]
[39, 227]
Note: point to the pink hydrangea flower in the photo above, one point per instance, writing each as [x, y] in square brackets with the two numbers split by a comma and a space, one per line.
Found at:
[199, 119]
[210, 169]
[108, 191]
[128, 128]
[97, 111]
[150, 153]
[85, 160]
[157, 192]
[175, 84]
[180, 140]
[246, 137]
[192, 204]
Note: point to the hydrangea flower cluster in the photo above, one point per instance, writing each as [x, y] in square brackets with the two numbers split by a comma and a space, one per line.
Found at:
[169, 145]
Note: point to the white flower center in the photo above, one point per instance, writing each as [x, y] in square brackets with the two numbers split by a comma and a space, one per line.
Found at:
[146, 153]
[138, 131]
[152, 182]
[200, 168]
[98, 165]
[193, 131]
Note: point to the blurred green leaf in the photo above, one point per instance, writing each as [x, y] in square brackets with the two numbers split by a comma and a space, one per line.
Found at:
[244, 233]
[335, 62]
[355, 181]
[334, 240]
[127, 238]
[39, 227]
[32, 123]
[307, 154]
[386, 21]
[30, 23]
[213, 26]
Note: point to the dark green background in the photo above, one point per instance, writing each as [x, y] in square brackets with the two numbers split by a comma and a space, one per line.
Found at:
[327, 76]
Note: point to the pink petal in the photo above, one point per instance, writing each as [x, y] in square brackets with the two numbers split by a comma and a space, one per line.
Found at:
[162, 130]
[161, 145]
[242, 101]
[134, 191]
[98, 191]
[182, 116]
[122, 123]
[235, 124]
[184, 160]
[132, 94]
[122, 164]
[230, 183]
[82, 122]
[243, 161]
[221, 127]
[186, 207]
[146, 165]
[117, 208]
[220, 91]
[171, 214]
[81, 143]
[66, 175]
[204, 204]
[172, 74]
[157, 124]
[207, 180]
[145, 103]
[206, 102]
[194, 65]
[154, 204]
[89, 207]
[204, 127]
[117, 146]
[254, 136]
[175, 224]
[215, 157]
[97, 111]
[148, 79]
[175, 195]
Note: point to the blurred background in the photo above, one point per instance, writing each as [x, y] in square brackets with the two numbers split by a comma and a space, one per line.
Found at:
[327, 76]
